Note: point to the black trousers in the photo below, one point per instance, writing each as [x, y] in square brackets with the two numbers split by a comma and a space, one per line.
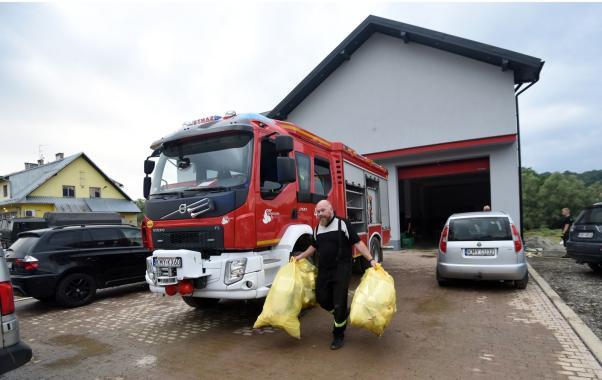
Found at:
[332, 286]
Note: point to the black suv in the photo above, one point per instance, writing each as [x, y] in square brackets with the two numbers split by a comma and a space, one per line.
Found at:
[585, 238]
[69, 263]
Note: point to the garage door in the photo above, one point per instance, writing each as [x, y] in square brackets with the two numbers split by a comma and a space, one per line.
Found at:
[428, 194]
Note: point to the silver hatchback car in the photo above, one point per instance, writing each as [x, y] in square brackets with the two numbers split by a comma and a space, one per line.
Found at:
[481, 246]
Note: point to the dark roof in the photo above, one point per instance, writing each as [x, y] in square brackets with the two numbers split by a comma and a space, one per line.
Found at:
[526, 68]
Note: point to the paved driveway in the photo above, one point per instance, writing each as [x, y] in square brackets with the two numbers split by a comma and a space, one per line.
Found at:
[470, 330]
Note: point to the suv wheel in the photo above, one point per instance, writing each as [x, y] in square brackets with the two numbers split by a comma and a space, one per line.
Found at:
[76, 289]
[200, 303]
[596, 267]
[522, 284]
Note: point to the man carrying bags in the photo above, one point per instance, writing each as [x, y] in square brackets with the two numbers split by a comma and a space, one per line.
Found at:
[333, 239]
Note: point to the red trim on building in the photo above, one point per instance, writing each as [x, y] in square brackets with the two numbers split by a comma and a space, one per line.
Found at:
[444, 168]
[444, 146]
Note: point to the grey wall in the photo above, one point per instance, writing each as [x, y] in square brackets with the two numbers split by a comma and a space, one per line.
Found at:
[392, 95]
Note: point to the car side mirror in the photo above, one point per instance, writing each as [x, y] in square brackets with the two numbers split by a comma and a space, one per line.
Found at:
[149, 166]
[146, 187]
[286, 169]
[284, 144]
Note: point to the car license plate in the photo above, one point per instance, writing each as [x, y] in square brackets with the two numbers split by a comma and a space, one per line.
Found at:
[479, 251]
[585, 235]
[170, 262]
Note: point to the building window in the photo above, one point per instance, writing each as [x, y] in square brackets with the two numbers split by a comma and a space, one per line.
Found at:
[30, 213]
[95, 192]
[5, 190]
[68, 191]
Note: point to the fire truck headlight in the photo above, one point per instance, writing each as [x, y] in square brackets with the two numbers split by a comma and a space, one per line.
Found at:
[235, 270]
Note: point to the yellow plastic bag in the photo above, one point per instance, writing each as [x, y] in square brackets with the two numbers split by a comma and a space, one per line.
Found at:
[374, 301]
[283, 303]
[308, 277]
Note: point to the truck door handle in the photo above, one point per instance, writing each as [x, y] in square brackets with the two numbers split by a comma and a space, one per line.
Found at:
[294, 214]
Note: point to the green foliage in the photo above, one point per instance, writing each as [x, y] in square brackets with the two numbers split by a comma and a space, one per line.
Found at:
[544, 195]
[544, 232]
[140, 216]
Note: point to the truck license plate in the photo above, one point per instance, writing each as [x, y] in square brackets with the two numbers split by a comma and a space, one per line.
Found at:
[170, 262]
[586, 235]
[479, 251]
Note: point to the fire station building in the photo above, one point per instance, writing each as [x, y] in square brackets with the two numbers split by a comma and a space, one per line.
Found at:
[438, 111]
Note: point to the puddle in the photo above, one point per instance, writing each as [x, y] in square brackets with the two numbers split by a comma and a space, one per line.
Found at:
[431, 305]
[86, 346]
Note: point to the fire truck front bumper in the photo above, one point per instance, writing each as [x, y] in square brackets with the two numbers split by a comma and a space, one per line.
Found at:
[240, 275]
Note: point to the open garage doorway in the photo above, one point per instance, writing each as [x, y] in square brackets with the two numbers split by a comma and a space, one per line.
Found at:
[429, 194]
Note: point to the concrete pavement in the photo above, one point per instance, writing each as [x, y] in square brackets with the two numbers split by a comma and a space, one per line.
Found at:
[468, 330]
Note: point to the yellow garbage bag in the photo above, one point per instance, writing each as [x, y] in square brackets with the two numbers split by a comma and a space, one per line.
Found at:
[283, 303]
[308, 277]
[374, 301]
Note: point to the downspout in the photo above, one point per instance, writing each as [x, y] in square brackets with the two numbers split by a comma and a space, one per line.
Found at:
[520, 164]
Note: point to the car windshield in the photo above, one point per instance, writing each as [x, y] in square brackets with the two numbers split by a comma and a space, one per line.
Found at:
[212, 163]
[590, 216]
[484, 229]
[22, 247]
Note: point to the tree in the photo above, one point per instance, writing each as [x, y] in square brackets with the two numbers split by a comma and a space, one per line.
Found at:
[141, 205]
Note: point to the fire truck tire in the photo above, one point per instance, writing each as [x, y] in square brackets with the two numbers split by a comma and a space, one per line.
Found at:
[376, 250]
[200, 303]
[360, 264]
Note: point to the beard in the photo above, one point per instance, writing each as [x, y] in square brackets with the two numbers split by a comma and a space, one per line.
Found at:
[324, 220]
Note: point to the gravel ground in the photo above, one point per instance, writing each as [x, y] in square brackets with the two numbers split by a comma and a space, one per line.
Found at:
[577, 285]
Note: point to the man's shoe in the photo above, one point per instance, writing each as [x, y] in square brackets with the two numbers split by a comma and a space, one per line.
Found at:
[337, 343]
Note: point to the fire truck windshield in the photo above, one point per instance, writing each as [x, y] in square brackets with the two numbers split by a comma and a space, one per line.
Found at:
[211, 163]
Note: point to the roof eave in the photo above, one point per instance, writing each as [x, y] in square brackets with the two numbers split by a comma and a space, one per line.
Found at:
[526, 68]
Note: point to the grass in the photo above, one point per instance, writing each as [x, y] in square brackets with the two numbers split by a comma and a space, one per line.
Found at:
[544, 232]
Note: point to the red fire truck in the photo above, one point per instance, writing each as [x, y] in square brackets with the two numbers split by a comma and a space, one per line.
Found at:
[232, 198]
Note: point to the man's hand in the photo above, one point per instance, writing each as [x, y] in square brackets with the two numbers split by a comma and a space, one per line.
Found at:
[373, 263]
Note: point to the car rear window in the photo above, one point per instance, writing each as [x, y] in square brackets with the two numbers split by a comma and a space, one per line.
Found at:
[590, 216]
[65, 240]
[490, 228]
[23, 246]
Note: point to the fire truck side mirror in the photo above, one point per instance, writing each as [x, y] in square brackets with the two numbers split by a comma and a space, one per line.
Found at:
[149, 166]
[146, 187]
[284, 145]
[286, 170]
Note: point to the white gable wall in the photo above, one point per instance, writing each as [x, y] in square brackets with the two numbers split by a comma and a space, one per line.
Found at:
[391, 95]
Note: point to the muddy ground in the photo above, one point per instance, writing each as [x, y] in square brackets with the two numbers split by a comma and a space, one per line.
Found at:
[576, 284]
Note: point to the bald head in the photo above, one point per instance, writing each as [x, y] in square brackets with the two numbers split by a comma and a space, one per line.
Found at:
[324, 211]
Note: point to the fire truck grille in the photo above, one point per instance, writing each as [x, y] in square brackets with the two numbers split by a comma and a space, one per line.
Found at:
[193, 238]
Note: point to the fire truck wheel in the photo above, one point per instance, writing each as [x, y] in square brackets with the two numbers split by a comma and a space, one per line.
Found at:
[200, 303]
[376, 250]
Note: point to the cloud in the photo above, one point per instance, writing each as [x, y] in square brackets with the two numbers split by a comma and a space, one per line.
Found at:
[109, 79]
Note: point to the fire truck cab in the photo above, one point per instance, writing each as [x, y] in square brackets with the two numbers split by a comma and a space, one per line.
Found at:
[232, 198]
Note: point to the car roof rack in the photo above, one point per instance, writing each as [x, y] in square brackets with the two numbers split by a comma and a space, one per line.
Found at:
[92, 224]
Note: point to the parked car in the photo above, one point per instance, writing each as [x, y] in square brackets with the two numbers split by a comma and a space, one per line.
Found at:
[585, 238]
[69, 263]
[13, 352]
[481, 246]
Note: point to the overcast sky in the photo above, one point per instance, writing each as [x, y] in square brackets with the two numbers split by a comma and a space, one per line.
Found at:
[110, 79]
